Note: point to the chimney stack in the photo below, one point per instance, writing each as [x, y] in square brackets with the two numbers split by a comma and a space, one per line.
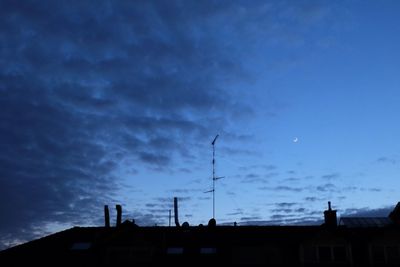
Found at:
[330, 216]
[119, 214]
[106, 216]
[176, 212]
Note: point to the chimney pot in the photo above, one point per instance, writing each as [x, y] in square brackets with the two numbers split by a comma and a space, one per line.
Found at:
[106, 216]
[119, 214]
[176, 212]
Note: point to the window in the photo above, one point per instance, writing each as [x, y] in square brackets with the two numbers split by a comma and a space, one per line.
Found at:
[81, 246]
[378, 254]
[385, 254]
[392, 253]
[339, 253]
[310, 254]
[119, 255]
[208, 250]
[324, 253]
[248, 255]
[175, 250]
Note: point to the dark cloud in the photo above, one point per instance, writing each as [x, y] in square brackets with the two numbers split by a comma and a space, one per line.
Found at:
[86, 88]
[328, 187]
[300, 210]
[291, 179]
[283, 188]
[283, 210]
[267, 167]
[330, 176]
[278, 216]
[271, 174]
[252, 178]
[186, 191]
[171, 199]
[391, 160]
[204, 198]
[252, 175]
[235, 213]
[285, 204]
[374, 189]
[151, 205]
[184, 170]
[238, 151]
[250, 218]
[287, 209]
[367, 212]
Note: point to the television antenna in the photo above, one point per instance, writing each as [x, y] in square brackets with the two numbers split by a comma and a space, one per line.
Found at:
[214, 178]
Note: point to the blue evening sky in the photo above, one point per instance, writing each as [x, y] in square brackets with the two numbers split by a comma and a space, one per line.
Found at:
[117, 102]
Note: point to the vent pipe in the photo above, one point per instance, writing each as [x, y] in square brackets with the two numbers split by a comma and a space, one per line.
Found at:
[119, 214]
[106, 216]
[176, 212]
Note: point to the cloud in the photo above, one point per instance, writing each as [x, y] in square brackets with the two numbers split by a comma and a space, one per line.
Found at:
[252, 178]
[151, 205]
[235, 213]
[291, 179]
[387, 160]
[184, 170]
[152, 158]
[300, 210]
[282, 210]
[250, 218]
[374, 189]
[285, 204]
[271, 174]
[267, 167]
[186, 191]
[330, 176]
[283, 188]
[87, 88]
[312, 199]
[367, 212]
[328, 187]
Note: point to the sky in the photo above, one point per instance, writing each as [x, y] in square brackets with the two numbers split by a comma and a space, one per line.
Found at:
[117, 102]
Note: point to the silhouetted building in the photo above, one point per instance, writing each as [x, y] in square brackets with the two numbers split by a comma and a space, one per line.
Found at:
[352, 242]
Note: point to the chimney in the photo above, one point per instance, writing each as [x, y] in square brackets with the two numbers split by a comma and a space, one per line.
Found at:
[106, 216]
[176, 211]
[330, 216]
[119, 214]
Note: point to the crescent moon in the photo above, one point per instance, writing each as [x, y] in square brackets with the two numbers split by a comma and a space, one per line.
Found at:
[295, 140]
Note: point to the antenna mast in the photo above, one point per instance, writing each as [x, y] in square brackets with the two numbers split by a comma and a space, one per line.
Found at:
[213, 175]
